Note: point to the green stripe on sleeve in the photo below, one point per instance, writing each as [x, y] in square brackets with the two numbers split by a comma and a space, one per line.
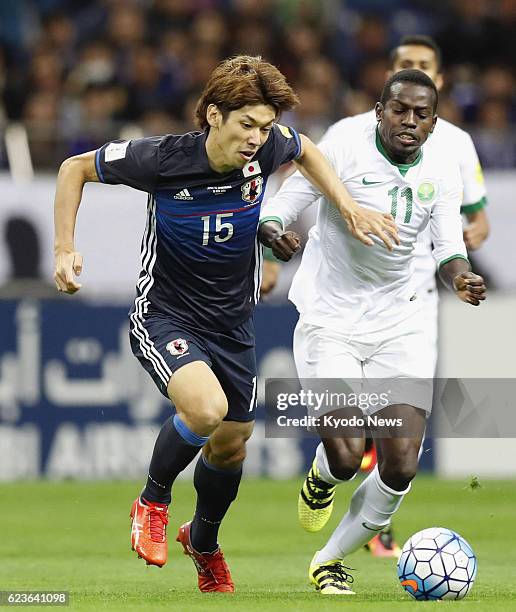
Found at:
[468, 209]
[264, 219]
[457, 256]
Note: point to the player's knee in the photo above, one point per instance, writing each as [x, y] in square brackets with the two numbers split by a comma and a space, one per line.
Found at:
[344, 465]
[206, 412]
[213, 409]
[343, 470]
[398, 473]
[227, 456]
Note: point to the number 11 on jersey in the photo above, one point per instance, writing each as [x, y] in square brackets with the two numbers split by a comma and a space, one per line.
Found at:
[220, 228]
[406, 193]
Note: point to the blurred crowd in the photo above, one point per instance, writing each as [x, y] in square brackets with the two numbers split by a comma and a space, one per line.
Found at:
[81, 72]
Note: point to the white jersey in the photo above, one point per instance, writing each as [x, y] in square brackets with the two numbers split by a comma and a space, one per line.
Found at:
[344, 284]
[450, 140]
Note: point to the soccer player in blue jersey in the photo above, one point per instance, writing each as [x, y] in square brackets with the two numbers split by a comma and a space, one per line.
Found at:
[191, 323]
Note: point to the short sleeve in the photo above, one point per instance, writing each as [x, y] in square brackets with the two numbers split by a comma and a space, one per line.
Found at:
[131, 162]
[286, 145]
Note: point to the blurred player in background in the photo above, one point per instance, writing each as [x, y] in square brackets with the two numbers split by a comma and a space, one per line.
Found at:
[191, 322]
[422, 53]
[360, 316]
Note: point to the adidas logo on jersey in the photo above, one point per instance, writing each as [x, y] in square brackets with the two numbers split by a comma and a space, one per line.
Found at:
[184, 194]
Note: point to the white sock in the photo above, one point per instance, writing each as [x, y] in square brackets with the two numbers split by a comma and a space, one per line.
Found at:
[373, 503]
[324, 467]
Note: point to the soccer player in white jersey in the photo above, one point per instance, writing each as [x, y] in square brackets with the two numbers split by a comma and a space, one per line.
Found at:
[360, 317]
[422, 53]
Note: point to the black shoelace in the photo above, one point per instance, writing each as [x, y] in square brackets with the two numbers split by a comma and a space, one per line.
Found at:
[316, 483]
[338, 572]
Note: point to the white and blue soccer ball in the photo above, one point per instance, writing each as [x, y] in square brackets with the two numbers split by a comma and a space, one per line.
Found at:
[437, 563]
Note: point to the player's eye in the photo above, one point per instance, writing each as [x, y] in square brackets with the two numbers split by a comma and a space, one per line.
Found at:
[248, 126]
[266, 130]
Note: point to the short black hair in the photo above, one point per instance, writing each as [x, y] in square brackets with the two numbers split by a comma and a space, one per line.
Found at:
[419, 40]
[408, 76]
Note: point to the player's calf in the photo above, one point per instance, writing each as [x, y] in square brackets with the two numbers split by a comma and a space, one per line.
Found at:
[399, 467]
[216, 480]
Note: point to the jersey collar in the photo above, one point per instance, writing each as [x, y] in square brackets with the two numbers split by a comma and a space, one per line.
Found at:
[403, 168]
[200, 155]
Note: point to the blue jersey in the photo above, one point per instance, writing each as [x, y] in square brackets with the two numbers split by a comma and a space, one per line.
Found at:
[200, 257]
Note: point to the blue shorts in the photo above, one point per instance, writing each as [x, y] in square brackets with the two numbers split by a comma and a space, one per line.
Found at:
[163, 345]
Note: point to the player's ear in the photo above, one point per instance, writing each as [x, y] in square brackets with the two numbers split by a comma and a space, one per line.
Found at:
[439, 81]
[378, 109]
[213, 116]
[434, 121]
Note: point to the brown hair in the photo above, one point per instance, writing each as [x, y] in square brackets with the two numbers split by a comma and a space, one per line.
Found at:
[243, 80]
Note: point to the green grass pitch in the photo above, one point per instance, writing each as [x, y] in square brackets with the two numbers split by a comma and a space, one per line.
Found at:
[75, 536]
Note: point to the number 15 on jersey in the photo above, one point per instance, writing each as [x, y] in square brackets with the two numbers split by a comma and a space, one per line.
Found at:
[223, 229]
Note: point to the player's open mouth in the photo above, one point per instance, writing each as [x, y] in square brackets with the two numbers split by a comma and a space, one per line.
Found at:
[407, 138]
[247, 155]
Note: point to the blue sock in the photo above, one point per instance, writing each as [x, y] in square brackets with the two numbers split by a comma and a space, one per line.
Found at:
[175, 448]
[216, 490]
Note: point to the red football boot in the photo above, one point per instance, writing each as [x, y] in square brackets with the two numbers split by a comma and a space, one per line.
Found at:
[369, 457]
[384, 545]
[149, 531]
[213, 573]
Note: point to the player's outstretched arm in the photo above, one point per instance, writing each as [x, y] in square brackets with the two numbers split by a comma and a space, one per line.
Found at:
[73, 174]
[315, 167]
[468, 286]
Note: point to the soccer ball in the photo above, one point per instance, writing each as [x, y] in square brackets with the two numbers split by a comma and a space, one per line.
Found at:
[436, 563]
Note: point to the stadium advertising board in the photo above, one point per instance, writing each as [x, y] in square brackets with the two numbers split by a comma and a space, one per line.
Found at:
[75, 403]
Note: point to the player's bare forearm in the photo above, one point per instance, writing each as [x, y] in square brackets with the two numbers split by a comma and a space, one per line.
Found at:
[477, 229]
[458, 277]
[315, 167]
[270, 273]
[73, 174]
[284, 245]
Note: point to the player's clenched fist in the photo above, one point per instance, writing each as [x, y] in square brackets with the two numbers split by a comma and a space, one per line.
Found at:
[470, 288]
[283, 244]
[67, 263]
[286, 245]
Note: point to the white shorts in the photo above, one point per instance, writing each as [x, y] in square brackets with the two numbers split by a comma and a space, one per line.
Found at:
[388, 359]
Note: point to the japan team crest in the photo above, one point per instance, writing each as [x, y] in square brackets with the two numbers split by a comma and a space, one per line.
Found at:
[179, 346]
[252, 190]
